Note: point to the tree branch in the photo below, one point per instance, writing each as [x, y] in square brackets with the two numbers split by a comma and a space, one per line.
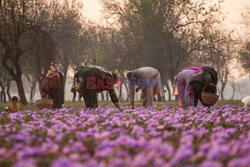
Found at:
[9, 69]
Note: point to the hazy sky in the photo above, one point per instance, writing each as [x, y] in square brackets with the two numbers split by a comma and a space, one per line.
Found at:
[92, 9]
[231, 8]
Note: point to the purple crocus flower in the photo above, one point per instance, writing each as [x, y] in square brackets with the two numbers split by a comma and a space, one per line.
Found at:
[64, 162]
[211, 164]
[242, 162]
[104, 152]
[25, 163]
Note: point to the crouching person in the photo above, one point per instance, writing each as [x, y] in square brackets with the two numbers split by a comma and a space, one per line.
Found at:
[95, 79]
[207, 76]
[53, 89]
[189, 83]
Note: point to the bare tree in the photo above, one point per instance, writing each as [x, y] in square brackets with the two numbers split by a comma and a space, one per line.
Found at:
[244, 52]
[160, 33]
[68, 36]
[5, 83]
[219, 51]
[18, 20]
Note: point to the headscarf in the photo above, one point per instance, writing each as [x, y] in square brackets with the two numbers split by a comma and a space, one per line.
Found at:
[52, 81]
[212, 72]
[196, 69]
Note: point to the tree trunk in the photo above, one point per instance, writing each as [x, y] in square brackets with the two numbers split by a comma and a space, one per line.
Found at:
[107, 95]
[41, 69]
[120, 90]
[8, 90]
[172, 83]
[65, 73]
[169, 92]
[40, 85]
[32, 82]
[17, 77]
[234, 89]
[40, 81]
[223, 77]
[222, 89]
[1, 99]
[63, 87]
[164, 98]
[127, 99]
[102, 96]
[3, 94]
[20, 89]
[33, 90]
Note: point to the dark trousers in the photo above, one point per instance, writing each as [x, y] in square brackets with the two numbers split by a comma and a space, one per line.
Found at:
[90, 98]
[57, 99]
[74, 97]
[197, 88]
[56, 95]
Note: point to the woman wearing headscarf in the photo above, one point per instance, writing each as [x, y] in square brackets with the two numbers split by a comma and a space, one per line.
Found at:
[189, 83]
[147, 79]
[93, 80]
[52, 88]
[202, 79]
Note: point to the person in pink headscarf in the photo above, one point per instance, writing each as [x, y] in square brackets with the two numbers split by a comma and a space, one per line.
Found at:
[182, 87]
[189, 83]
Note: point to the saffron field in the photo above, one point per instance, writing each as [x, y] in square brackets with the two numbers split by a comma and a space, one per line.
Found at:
[160, 137]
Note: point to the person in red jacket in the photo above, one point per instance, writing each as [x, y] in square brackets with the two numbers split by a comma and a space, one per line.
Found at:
[53, 88]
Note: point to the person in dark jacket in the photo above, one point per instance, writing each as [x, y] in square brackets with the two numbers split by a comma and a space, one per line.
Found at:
[207, 76]
[93, 80]
[53, 89]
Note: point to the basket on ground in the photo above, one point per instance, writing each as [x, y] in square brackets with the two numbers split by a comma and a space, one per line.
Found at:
[44, 103]
[209, 98]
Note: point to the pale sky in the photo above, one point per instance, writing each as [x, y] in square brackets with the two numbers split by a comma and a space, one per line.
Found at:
[92, 9]
[231, 8]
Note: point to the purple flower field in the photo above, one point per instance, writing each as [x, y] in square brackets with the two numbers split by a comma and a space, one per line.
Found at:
[214, 137]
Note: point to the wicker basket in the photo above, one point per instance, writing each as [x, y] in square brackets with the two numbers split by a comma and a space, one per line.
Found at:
[44, 103]
[209, 99]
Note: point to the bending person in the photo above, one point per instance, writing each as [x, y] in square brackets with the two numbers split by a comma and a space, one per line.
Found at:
[189, 83]
[148, 80]
[53, 89]
[93, 80]
[202, 79]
